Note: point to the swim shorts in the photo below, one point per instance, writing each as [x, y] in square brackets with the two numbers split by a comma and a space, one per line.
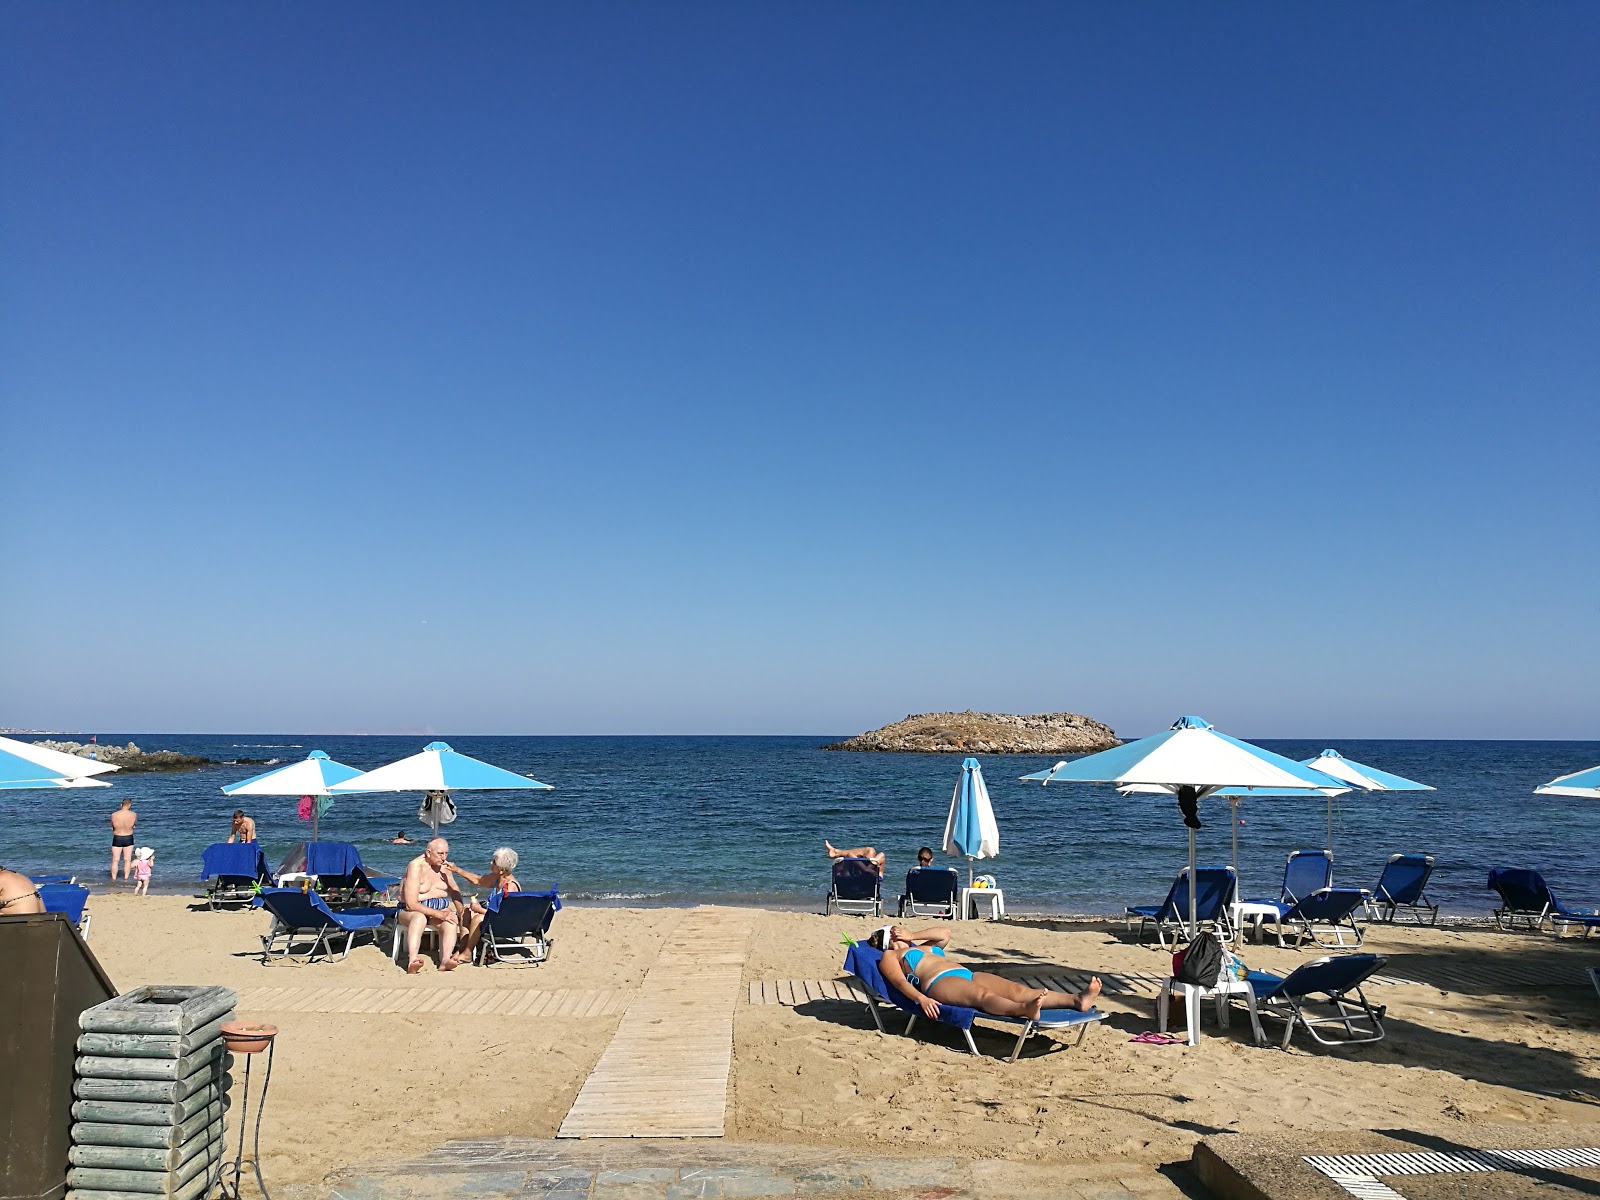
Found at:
[121, 839]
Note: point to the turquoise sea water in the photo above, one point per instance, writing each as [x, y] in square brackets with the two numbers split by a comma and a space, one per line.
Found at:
[741, 819]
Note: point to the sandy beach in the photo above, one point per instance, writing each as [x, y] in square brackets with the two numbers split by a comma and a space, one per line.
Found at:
[355, 1087]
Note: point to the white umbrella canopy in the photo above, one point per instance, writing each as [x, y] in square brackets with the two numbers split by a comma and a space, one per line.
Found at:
[1191, 761]
[1585, 785]
[437, 769]
[970, 830]
[314, 775]
[55, 763]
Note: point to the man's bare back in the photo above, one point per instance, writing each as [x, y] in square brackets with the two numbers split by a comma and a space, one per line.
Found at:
[123, 821]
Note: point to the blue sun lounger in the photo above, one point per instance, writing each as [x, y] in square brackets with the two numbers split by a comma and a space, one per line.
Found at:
[517, 925]
[232, 872]
[1215, 888]
[1332, 983]
[862, 962]
[1326, 918]
[40, 879]
[341, 877]
[930, 892]
[70, 899]
[856, 887]
[1525, 895]
[1403, 884]
[299, 914]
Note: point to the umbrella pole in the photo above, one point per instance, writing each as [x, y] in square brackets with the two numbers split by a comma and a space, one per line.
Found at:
[1330, 827]
[969, 872]
[1192, 924]
[1233, 803]
[313, 818]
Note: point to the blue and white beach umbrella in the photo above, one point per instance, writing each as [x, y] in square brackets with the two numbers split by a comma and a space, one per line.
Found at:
[315, 775]
[1190, 761]
[26, 766]
[970, 830]
[1583, 784]
[1361, 777]
[437, 771]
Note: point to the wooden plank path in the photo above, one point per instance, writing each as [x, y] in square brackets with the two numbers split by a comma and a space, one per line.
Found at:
[483, 1002]
[665, 1072]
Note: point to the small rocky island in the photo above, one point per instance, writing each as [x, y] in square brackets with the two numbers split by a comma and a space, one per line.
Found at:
[987, 733]
[129, 757]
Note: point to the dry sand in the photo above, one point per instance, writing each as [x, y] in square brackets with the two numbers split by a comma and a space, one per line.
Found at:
[354, 1088]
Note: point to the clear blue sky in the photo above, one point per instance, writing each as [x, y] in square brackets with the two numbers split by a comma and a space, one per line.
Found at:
[554, 368]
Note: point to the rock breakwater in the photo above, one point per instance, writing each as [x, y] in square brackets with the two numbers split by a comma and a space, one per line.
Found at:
[987, 733]
[129, 757]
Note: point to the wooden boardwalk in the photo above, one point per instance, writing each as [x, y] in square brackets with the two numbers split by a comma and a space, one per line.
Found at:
[500, 1002]
[665, 1073]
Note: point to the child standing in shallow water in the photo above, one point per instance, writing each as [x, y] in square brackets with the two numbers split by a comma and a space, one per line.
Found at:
[144, 861]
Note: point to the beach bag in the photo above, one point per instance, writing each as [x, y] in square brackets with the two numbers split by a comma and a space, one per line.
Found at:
[1201, 963]
[440, 802]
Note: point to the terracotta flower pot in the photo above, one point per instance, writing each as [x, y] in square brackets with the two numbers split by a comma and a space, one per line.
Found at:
[248, 1037]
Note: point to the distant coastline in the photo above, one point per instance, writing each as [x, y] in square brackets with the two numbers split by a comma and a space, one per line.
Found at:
[986, 733]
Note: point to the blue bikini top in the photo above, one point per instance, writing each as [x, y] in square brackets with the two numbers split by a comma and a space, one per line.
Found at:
[910, 958]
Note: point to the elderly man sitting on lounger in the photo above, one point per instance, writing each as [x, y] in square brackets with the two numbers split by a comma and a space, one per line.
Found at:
[429, 896]
[914, 961]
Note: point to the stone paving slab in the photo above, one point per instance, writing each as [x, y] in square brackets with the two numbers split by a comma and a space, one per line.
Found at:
[1507, 1162]
[639, 1169]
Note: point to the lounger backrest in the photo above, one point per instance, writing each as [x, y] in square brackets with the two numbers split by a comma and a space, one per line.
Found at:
[1521, 890]
[932, 885]
[855, 879]
[332, 858]
[1331, 975]
[68, 898]
[1214, 889]
[513, 914]
[1329, 904]
[296, 909]
[237, 860]
[862, 962]
[1306, 871]
[1404, 876]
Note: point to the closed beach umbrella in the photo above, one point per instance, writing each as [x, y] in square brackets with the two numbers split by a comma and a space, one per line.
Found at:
[437, 770]
[1191, 761]
[970, 829]
[24, 765]
[313, 776]
[1584, 784]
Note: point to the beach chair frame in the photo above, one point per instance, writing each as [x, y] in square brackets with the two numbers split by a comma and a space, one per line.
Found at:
[1326, 922]
[530, 946]
[233, 887]
[854, 905]
[329, 926]
[1217, 915]
[1290, 999]
[1520, 891]
[1384, 903]
[928, 881]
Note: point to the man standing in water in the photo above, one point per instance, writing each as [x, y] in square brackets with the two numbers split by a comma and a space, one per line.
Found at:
[122, 823]
[429, 896]
[244, 828]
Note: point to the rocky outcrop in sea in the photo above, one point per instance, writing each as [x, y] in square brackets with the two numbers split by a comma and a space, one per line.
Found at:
[129, 757]
[987, 733]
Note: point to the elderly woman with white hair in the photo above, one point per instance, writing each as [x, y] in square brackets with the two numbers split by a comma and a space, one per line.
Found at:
[499, 879]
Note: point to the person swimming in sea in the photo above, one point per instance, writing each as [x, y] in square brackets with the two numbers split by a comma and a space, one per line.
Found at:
[915, 963]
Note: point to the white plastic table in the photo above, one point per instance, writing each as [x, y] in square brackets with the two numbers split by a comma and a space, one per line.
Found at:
[1193, 993]
[1245, 910]
[971, 898]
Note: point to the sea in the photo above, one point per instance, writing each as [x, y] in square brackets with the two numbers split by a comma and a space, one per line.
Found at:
[741, 820]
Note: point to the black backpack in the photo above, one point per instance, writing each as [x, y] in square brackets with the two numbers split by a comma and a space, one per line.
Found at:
[1202, 961]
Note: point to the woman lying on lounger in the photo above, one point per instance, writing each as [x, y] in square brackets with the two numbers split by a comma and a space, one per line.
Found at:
[914, 961]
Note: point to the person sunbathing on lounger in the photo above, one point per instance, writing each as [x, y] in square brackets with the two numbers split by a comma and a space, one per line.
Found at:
[498, 878]
[18, 894]
[866, 852]
[914, 961]
[429, 896]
